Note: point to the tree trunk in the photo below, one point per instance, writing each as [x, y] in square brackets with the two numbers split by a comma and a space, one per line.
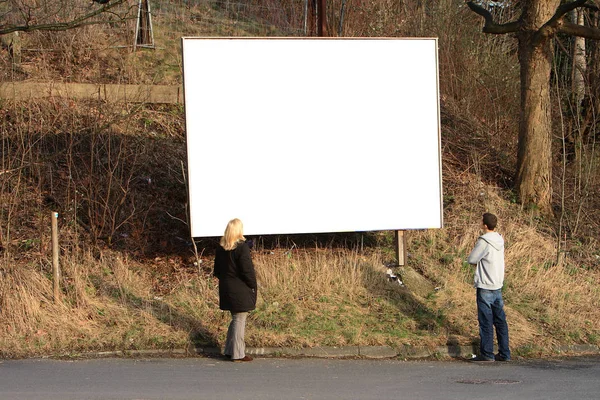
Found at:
[539, 22]
[579, 62]
[534, 159]
[577, 124]
[593, 99]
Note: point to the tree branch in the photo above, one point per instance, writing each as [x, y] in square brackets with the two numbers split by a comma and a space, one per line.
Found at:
[592, 7]
[556, 24]
[579, 30]
[85, 19]
[490, 26]
[563, 9]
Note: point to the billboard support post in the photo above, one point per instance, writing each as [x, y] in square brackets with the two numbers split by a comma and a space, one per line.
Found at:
[400, 247]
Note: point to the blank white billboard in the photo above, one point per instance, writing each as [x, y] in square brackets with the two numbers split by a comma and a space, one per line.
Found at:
[312, 135]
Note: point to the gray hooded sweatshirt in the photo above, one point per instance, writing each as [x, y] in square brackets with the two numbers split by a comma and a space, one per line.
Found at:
[488, 256]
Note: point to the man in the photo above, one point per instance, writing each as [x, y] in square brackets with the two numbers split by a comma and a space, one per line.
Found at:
[488, 257]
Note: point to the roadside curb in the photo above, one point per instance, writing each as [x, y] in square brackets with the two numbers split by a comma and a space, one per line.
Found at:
[332, 352]
[382, 352]
[578, 348]
[374, 352]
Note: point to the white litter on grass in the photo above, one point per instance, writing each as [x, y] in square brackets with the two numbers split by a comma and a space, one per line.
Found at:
[391, 277]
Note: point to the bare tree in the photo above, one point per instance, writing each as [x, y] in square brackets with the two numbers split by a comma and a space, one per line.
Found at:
[60, 15]
[538, 24]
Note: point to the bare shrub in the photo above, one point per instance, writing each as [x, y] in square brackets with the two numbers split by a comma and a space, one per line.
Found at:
[90, 163]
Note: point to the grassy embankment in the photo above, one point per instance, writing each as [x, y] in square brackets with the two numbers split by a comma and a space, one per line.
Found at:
[129, 275]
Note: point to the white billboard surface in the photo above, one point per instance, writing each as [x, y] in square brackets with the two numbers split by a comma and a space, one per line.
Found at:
[312, 135]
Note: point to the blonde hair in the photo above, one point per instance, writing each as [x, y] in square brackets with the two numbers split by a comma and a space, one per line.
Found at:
[234, 233]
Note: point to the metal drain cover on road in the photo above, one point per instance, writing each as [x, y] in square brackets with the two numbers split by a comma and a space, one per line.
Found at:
[488, 381]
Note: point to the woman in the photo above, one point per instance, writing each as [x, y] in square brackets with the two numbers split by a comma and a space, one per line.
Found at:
[237, 286]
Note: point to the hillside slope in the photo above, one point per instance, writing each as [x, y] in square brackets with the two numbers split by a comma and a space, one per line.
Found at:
[131, 278]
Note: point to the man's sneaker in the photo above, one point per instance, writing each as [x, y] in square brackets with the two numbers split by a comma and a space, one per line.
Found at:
[481, 359]
[498, 357]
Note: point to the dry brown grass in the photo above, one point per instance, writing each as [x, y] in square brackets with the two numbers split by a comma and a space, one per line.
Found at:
[103, 306]
[141, 289]
[308, 296]
[547, 303]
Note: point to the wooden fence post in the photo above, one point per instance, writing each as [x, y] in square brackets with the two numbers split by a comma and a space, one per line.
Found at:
[55, 250]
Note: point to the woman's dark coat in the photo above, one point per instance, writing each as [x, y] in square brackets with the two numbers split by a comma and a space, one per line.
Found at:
[237, 278]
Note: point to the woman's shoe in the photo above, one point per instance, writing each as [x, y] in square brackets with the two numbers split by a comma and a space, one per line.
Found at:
[246, 358]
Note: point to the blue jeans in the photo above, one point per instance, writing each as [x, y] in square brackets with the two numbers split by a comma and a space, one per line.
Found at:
[490, 313]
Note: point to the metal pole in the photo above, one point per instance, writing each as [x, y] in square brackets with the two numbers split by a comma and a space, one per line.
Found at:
[151, 32]
[55, 266]
[137, 25]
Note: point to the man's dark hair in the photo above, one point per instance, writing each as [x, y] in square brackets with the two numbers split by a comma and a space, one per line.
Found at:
[490, 220]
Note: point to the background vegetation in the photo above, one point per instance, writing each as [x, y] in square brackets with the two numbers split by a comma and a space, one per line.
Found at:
[132, 278]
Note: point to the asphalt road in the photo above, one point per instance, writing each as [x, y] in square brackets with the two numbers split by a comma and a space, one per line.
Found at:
[273, 378]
